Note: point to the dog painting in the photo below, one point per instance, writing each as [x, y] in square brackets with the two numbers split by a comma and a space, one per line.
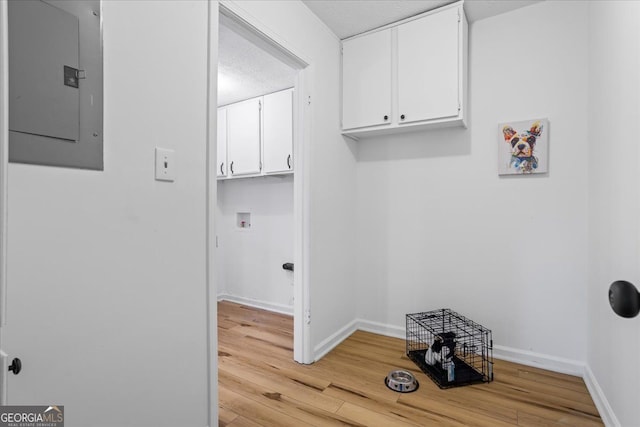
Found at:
[523, 147]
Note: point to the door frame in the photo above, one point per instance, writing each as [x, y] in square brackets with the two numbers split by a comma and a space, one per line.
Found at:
[263, 36]
[4, 156]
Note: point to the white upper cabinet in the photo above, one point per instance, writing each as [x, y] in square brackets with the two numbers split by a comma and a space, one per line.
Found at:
[428, 69]
[413, 72]
[277, 133]
[255, 137]
[222, 142]
[366, 80]
[243, 137]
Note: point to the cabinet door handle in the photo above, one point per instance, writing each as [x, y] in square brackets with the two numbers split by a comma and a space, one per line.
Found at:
[386, 118]
[231, 168]
[289, 161]
[402, 117]
[221, 171]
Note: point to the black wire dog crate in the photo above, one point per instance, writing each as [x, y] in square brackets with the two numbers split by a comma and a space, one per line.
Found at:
[450, 348]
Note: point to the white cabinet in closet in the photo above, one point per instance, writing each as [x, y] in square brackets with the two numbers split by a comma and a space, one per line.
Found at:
[277, 132]
[243, 137]
[222, 142]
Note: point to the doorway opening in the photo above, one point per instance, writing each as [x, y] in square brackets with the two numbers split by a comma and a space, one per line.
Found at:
[260, 228]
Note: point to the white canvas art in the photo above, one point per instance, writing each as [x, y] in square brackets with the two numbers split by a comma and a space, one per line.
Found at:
[523, 147]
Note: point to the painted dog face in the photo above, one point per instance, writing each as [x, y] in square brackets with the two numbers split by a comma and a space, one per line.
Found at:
[522, 144]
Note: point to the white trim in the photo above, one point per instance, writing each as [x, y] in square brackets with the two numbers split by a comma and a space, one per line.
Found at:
[263, 305]
[252, 26]
[261, 33]
[523, 357]
[332, 342]
[382, 329]
[302, 350]
[4, 361]
[604, 408]
[4, 151]
[539, 360]
[211, 172]
[4, 155]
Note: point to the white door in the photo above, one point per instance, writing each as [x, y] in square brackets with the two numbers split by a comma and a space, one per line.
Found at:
[366, 80]
[428, 67]
[4, 144]
[277, 133]
[243, 137]
[222, 142]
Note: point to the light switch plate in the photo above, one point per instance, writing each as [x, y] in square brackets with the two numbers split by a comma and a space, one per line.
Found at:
[165, 165]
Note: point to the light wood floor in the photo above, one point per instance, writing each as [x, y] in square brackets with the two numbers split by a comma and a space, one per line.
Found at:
[261, 385]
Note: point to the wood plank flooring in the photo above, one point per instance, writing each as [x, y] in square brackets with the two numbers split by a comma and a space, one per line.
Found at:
[261, 385]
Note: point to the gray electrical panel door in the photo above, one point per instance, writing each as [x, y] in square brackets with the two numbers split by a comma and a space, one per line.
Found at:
[43, 69]
[55, 83]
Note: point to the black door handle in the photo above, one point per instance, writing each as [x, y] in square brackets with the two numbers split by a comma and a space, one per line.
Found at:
[289, 161]
[231, 168]
[16, 366]
[221, 171]
[624, 299]
[288, 266]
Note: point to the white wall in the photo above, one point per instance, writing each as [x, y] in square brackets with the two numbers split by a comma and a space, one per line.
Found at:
[249, 261]
[106, 286]
[614, 202]
[331, 166]
[437, 227]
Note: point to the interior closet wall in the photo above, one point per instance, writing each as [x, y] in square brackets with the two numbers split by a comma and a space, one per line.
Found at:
[250, 259]
[437, 227]
[330, 171]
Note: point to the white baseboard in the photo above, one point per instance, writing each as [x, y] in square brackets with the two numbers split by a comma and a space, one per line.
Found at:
[527, 358]
[358, 324]
[264, 305]
[523, 357]
[606, 411]
[538, 360]
[332, 342]
[381, 329]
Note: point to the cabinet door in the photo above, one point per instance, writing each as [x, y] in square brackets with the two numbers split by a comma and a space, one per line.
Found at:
[222, 142]
[243, 137]
[366, 80]
[428, 67]
[277, 133]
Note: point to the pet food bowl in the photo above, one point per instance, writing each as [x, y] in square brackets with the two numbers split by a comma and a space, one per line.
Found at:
[401, 381]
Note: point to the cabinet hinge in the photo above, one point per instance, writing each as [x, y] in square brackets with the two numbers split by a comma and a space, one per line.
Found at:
[307, 316]
[260, 166]
[459, 106]
[309, 100]
[259, 105]
[459, 15]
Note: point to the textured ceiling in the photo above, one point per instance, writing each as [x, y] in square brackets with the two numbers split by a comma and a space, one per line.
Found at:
[246, 71]
[350, 17]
